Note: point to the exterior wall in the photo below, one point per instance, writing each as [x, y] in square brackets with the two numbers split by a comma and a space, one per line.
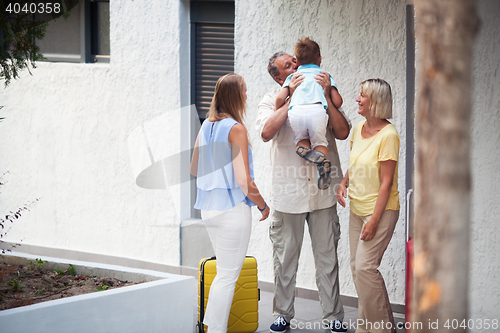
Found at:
[359, 40]
[65, 136]
[484, 294]
[64, 140]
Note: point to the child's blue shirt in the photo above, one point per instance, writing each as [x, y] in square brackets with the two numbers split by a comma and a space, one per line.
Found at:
[309, 91]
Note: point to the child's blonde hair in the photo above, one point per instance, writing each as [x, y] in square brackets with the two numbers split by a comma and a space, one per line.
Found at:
[380, 95]
[307, 51]
[228, 99]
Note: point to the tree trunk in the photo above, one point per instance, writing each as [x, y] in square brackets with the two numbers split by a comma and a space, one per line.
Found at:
[445, 31]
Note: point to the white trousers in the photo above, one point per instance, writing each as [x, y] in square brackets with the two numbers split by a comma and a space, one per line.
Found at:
[309, 122]
[229, 232]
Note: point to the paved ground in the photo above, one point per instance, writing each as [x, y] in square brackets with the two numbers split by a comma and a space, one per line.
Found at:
[307, 316]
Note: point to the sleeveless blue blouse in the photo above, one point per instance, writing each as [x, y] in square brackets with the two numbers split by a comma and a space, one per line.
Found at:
[216, 184]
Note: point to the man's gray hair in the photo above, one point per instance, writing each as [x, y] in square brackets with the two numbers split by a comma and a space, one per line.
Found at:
[271, 66]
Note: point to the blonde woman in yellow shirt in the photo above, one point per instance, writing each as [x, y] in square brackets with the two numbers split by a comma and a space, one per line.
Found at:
[374, 202]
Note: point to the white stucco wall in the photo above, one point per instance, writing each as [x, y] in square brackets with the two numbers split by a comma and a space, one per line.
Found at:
[67, 125]
[64, 140]
[65, 137]
[484, 294]
[359, 40]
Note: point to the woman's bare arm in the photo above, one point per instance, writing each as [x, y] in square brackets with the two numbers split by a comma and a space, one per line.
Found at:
[387, 170]
[239, 144]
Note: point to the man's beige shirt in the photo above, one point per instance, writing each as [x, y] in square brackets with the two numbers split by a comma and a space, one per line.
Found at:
[294, 181]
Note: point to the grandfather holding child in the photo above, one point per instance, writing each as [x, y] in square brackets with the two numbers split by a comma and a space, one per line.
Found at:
[295, 199]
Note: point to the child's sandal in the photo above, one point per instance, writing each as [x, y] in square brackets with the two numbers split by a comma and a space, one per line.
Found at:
[324, 170]
[315, 156]
[302, 151]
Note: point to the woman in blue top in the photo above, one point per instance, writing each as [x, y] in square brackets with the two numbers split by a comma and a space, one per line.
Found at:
[222, 162]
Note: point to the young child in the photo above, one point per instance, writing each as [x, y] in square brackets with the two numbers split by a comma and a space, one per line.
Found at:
[307, 111]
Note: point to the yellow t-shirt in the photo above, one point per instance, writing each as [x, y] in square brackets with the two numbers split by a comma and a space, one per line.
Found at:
[364, 168]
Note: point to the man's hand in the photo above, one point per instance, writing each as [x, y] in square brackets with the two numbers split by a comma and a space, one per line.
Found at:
[337, 121]
[296, 80]
[323, 79]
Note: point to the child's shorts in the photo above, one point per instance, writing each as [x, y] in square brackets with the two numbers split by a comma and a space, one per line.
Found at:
[309, 122]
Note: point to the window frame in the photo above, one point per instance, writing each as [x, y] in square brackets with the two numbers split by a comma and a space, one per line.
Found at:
[89, 36]
[200, 16]
[85, 55]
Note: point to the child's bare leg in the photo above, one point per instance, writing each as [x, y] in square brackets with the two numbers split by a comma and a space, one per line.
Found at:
[304, 143]
[322, 149]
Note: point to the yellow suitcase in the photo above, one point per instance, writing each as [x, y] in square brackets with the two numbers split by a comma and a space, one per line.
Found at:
[244, 315]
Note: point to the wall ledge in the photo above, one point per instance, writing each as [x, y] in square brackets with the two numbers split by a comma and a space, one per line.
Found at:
[41, 251]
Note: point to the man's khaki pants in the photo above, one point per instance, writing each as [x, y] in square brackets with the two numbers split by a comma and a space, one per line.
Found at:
[374, 309]
[287, 232]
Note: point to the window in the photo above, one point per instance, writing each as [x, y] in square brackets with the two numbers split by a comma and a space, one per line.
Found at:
[212, 56]
[82, 37]
[62, 39]
[99, 30]
[212, 46]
